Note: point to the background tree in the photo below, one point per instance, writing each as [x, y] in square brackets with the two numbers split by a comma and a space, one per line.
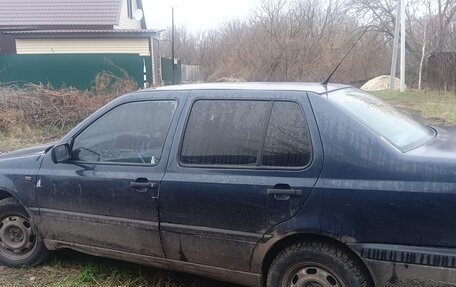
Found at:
[302, 40]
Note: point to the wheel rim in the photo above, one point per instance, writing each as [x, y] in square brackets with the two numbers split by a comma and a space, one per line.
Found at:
[312, 275]
[17, 237]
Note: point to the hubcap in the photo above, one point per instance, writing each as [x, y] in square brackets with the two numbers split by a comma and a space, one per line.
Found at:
[17, 237]
[312, 276]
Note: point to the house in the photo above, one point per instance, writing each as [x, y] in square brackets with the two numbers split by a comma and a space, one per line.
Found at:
[69, 41]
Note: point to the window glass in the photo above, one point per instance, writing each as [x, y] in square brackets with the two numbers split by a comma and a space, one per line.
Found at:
[131, 133]
[287, 140]
[402, 131]
[224, 132]
[129, 9]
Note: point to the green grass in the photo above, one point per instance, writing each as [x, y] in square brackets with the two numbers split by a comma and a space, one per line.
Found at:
[106, 273]
[433, 107]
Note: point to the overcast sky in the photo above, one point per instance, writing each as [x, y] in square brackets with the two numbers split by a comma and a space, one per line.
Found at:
[196, 15]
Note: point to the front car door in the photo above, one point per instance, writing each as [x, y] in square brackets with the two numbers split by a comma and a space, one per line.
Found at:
[245, 161]
[106, 195]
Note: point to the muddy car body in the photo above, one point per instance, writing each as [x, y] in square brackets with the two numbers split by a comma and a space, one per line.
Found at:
[256, 184]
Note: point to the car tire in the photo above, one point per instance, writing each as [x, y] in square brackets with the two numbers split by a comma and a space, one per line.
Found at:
[317, 264]
[20, 242]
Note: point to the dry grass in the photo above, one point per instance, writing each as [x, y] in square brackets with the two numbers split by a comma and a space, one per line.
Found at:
[34, 114]
[41, 106]
[435, 108]
[23, 138]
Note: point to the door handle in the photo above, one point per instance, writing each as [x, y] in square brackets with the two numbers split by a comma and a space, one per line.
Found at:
[290, 192]
[134, 184]
[142, 185]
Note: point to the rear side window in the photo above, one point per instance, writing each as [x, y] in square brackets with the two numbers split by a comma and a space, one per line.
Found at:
[224, 132]
[246, 133]
[287, 139]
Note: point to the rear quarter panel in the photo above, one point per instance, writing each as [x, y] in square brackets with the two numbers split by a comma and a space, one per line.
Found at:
[388, 206]
[395, 210]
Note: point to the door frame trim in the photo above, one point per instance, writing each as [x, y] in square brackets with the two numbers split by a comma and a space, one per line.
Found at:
[211, 232]
[99, 219]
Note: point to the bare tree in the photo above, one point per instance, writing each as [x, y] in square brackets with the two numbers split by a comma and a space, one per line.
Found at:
[302, 40]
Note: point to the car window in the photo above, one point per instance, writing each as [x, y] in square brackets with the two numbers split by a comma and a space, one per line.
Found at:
[246, 133]
[224, 132]
[396, 127]
[287, 140]
[131, 133]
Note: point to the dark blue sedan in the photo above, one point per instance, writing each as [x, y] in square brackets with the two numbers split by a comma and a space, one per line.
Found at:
[258, 184]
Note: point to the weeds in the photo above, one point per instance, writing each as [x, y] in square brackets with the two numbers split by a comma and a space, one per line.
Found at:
[433, 107]
[72, 269]
[39, 113]
[39, 106]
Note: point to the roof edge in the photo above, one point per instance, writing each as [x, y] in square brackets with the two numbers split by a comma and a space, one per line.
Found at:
[85, 34]
[317, 88]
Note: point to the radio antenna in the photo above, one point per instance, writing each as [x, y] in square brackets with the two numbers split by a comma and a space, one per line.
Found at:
[325, 82]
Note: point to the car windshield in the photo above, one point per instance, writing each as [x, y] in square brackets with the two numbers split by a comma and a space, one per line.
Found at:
[399, 129]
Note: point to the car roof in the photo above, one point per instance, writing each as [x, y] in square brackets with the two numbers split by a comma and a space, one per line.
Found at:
[292, 86]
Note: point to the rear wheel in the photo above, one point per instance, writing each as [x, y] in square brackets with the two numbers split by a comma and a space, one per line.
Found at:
[20, 243]
[316, 264]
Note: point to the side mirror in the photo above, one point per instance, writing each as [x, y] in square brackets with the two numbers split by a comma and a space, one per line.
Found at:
[61, 153]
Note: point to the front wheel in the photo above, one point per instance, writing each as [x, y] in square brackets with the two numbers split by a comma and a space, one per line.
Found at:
[316, 264]
[20, 243]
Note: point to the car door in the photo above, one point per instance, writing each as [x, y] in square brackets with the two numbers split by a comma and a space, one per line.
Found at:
[106, 195]
[244, 162]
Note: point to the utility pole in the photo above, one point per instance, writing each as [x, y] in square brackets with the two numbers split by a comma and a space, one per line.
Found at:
[172, 46]
[403, 46]
[395, 46]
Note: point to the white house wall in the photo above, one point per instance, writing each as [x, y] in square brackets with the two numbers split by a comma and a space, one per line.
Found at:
[124, 21]
[83, 46]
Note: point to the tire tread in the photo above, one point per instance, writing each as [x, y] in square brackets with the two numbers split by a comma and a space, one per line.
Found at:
[353, 265]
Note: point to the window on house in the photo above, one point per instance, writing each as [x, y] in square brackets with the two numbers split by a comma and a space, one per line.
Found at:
[130, 9]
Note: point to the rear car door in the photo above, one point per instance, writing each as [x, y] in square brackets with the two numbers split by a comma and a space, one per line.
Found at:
[106, 195]
[245, 161]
